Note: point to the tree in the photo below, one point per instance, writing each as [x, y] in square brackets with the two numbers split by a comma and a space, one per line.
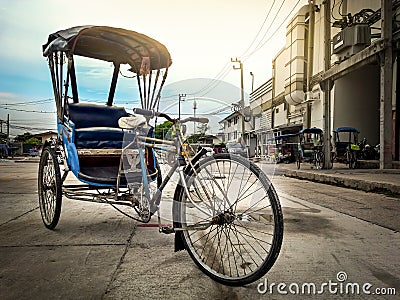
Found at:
[202, 129]
[162, 129]
[200, 133]
[33, 141]
[23, 137]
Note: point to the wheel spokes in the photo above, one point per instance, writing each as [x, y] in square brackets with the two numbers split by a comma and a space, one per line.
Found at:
[241, 232]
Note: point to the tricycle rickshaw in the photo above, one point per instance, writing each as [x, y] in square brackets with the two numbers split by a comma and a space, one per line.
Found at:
[226, 213]
[310, 147]
[285, 147]
[345, 146]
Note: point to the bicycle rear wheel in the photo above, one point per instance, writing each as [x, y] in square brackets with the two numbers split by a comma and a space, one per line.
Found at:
[233, 227]
[49, 188]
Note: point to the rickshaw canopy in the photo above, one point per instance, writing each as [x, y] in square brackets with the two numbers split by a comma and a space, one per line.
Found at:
[282, 137]
[346, 129]
[310, 130]
[117, 45]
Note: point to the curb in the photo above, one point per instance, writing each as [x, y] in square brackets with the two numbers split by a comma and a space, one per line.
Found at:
[36, 161]
[358, 184]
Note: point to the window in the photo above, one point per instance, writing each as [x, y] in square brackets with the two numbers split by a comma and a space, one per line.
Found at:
[235, 135]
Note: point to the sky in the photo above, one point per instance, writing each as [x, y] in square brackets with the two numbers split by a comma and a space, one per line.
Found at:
[201, 36]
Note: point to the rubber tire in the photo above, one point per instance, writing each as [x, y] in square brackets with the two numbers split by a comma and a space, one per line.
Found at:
[51, 222]
[278, 220]
[352, 160]
[319, 160]
[298, 161]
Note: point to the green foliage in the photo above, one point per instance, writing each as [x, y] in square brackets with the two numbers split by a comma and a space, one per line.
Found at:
[200, 133]
[23, 137]
[202, 129]
[194, 138]
[33, 141]
[162, 130]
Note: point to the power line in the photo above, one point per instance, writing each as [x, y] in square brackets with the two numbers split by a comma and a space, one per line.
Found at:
[262, 25]
[270, 26]
[32, 128]
[29, 102]
[30, 111]
[276, 30]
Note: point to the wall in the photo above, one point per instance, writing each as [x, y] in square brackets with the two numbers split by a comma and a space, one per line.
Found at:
[280, 72]
[280, 115]
[356, 102]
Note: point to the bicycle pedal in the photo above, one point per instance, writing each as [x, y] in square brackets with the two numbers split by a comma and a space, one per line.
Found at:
[167, 229]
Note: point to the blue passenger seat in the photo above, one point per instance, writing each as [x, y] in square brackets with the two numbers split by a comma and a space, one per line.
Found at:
[96, 126]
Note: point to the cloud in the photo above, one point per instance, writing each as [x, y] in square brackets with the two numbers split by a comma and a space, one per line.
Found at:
[7, 96]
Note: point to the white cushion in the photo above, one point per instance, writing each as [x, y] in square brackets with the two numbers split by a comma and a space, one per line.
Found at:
[131, 122]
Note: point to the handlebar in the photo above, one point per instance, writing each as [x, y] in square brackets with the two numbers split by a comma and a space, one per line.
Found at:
[152, 113]
[197, 120]
[144, 112]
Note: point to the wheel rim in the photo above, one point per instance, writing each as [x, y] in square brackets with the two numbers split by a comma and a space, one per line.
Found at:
[48, 189]
[241, 240]
[318, 163]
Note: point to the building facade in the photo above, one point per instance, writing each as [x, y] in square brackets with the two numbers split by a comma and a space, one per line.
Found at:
[335, 70]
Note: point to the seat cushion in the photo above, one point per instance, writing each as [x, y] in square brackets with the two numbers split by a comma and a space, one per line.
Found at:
[98, 138]
[93, 115]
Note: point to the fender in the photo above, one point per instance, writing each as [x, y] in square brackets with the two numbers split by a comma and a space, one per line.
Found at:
[179, 243]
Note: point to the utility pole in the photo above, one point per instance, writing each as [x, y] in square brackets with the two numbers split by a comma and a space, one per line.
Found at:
[181, 98]
[242, 91]
[252, 81]
[194, 115]
[8, 129]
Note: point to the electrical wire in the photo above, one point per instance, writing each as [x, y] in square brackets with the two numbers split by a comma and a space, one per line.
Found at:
[29, 102]
[276, 30]
[273, 20]
[262, 25]
[340, 9]
[30, 111]
[332, 12]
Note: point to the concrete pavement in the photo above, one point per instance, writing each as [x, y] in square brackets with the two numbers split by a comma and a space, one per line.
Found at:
[96, 253]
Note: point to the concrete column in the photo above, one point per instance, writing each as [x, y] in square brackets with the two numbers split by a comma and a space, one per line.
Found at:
[327, 86]
[385, 161]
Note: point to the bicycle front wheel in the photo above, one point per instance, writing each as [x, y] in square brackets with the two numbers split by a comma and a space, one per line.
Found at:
[232, 221]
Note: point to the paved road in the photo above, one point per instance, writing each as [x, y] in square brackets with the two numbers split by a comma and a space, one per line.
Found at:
[97, 253]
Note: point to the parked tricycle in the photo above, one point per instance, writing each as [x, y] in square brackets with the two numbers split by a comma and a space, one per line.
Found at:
[285, 147]
[345, 146]
[225, 210]
[311, 148]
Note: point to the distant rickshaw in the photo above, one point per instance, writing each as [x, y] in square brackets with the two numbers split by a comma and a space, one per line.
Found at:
[345, 146]
[310, 148]
[285, 147]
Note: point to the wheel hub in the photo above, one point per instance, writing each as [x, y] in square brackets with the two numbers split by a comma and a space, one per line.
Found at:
[223, 218]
